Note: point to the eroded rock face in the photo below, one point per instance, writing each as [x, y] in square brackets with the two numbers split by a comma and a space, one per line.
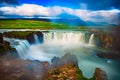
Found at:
[108, 39]
[100, 74]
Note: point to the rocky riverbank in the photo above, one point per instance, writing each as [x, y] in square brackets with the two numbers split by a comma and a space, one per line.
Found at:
[12, 68]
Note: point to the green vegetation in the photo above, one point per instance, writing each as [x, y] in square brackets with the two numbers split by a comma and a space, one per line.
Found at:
[35, 24]
[30, 24]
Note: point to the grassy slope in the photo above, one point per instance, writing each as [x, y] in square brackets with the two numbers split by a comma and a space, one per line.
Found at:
[30, 24]
[33, 24]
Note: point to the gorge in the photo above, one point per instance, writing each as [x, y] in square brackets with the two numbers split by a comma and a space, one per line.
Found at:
[44, 45]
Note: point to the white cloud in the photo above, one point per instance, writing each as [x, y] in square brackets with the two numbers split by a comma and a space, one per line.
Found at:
[31, 10]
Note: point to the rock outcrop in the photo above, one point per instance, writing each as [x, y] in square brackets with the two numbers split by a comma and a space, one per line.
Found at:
[109, 40]
[28, 35]
[100, 74]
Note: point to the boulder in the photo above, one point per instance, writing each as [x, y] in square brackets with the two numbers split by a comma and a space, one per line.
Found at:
[100, 74]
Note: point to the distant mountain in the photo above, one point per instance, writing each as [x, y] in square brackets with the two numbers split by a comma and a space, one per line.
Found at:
[69, 20]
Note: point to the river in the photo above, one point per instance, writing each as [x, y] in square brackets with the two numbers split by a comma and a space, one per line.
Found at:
[59, 42]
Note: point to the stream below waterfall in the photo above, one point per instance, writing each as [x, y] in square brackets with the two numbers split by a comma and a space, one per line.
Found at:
[58, 43]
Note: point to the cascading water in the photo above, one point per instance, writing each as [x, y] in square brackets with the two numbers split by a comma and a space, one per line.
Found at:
[64, 37]
[21, 46]
[91, 40]
[36, 39]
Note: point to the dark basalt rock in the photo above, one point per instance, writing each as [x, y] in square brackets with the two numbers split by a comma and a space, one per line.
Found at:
[100, 74]
[1, 38]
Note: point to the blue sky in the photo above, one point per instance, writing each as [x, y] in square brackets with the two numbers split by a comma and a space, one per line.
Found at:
[102, 11]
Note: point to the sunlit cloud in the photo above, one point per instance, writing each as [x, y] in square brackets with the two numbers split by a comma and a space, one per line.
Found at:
[31, 10]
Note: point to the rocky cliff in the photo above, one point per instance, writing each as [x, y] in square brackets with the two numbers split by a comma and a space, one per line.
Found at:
[108, 39]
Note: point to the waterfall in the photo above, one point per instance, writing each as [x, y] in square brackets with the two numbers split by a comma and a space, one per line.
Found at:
[21, 46]
[64, 37]
[91, 40]
[36, 39]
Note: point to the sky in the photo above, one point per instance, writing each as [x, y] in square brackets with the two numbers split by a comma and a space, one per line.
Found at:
[95, 11]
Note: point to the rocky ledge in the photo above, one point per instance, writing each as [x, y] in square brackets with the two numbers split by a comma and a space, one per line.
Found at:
[28, 35]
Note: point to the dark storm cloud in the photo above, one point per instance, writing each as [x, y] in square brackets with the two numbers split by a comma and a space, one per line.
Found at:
[9, 1]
